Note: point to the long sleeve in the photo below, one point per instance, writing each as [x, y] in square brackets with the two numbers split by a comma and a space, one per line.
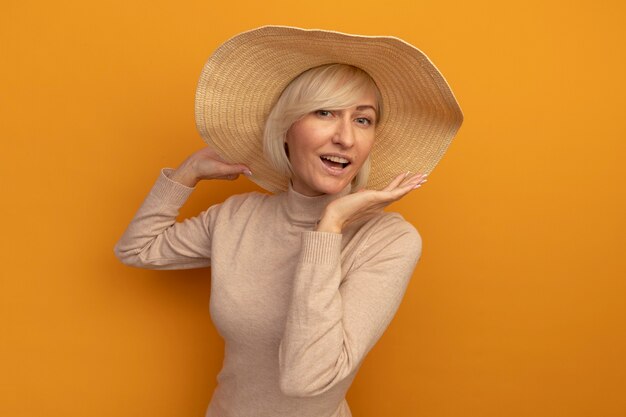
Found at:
[154, 239]
[333, 322]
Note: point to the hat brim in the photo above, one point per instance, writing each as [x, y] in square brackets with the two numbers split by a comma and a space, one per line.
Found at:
[245, 76]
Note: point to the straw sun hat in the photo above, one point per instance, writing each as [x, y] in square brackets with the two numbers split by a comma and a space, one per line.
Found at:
[244, 77]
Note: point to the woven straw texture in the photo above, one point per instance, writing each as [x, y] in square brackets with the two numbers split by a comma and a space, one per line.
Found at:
[244, 77]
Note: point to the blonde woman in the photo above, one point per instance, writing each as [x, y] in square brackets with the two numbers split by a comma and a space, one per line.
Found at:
[304, 281]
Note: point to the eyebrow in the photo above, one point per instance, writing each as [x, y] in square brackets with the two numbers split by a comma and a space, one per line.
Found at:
[367, 106]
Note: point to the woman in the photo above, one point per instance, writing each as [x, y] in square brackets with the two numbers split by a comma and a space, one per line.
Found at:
[305, 281]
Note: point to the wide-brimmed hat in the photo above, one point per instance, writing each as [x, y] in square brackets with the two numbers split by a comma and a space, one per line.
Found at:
[243, 79]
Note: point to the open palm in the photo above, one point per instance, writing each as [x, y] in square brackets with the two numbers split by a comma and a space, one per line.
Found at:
[354, 206]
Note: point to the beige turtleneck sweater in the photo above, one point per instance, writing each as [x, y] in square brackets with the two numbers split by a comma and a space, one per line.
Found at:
[298, 309]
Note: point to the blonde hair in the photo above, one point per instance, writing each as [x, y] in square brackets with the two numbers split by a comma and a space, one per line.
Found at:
[333, 87]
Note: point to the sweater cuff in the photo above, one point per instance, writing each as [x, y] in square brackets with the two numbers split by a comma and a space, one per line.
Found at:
[170, 191]
[321, 247]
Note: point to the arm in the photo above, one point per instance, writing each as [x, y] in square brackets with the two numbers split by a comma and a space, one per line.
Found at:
[332, 325]
[153, 239]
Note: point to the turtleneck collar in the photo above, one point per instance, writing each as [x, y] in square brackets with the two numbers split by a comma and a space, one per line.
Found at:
[307, 211]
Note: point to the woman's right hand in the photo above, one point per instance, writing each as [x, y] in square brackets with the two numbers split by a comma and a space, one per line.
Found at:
[205, 164]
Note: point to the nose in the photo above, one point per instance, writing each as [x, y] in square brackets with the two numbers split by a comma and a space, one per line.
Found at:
[343, 134]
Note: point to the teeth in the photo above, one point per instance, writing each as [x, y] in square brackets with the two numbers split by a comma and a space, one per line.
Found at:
[336, 159]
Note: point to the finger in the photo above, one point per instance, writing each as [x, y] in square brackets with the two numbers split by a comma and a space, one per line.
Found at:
[415, 181]
[228, 169]
[405, 188]
[395, 182]
[229, 177]
[398, 193]
[416, 178]
[422, 178]
[212, 154]
[421, 181]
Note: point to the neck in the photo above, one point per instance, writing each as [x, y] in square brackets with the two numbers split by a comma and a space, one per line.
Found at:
[307, 210]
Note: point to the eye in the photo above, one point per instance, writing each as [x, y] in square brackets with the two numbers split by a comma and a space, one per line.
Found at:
[364, 121]
[323, 113]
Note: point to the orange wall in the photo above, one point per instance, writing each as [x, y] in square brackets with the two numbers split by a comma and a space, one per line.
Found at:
[516, 308]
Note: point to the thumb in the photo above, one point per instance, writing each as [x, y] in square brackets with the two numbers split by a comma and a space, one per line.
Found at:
[236, 169]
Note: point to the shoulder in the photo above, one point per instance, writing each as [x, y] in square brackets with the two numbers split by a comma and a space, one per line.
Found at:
[239, 204]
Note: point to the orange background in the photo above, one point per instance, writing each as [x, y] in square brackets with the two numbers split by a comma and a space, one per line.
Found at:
[517, 307]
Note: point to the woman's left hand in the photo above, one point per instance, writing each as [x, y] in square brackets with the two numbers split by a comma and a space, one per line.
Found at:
[352, 206]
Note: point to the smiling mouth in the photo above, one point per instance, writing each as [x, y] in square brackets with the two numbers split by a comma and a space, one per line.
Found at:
[335, 162]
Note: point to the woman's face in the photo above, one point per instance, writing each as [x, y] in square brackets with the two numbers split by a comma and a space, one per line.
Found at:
[328, 147]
